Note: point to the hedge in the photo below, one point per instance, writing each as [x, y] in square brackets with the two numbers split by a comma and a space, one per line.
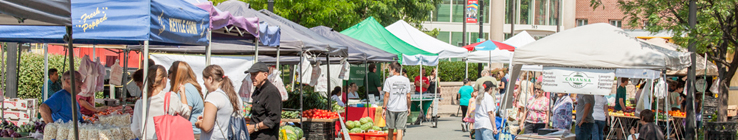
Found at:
[31, 73]
[449, 71]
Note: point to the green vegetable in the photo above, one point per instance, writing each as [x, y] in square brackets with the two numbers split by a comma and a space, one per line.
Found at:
[364, 120]
[365, 127]
[355, 130]
[350, 125]
[376, 128]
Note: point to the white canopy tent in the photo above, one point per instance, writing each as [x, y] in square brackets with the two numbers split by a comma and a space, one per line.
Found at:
[412, 36]
[520, 39]
[595, 46]
[703, 66]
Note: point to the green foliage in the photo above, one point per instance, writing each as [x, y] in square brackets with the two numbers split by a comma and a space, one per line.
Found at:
[311, 99]
[31, 73]
[341, 14]
[448, 71]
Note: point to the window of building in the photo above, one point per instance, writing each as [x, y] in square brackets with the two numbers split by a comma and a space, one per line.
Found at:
[616, 23]
[442, 12]
[444, 36]
[582, 22]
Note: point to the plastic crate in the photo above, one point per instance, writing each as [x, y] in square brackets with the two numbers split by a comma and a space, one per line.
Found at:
[319, 130]
[721, 130]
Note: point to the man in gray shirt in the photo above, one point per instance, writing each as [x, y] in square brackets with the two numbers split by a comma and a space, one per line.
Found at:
[585, 121]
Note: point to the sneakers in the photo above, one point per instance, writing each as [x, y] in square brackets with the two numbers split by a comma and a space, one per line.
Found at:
[463, 127]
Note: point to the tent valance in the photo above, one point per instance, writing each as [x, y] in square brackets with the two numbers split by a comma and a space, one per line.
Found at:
[161, 22]
[357, 50]
[417, 38]
[371, 32]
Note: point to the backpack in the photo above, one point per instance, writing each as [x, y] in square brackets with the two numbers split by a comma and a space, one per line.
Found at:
[237, 129]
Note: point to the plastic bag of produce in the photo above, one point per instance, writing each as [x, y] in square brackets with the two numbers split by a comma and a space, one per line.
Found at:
[83, 132]
[50, 131]
[127, 133]
[92, 133]
[116, 133]
[106, 134]
[70, 130]
[62, 131]
[123, 120]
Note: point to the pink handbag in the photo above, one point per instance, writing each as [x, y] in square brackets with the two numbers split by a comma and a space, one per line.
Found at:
[171, 127]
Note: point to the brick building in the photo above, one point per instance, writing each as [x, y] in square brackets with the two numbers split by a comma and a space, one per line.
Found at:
[608, 12]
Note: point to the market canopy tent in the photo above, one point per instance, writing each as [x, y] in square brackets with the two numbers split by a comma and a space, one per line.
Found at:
[415, 37]
[357, 51]
[290, 39]
[371, 32]
[336, 49]
[35, 12]
[701, 63]
[500, 55]
[598, 46]
[520, 39]
[161, 22]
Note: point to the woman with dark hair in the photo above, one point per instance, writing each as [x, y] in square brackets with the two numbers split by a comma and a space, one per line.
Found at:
[335, 96]
[183, 82]
[535, 112]
[220, 102]
[156, 82]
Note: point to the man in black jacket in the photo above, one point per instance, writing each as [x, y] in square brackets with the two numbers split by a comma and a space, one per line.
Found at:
[266, 109]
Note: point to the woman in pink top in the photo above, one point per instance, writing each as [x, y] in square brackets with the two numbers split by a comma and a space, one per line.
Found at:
[536, 111]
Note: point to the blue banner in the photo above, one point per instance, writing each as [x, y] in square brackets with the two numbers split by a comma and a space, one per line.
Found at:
[162, 22]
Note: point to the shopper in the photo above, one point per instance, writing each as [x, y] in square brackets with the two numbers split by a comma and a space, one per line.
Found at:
[600, 117]
[675, 99]
[433, 86]
[585, 121]
[620, 95]
[352, 94]
[220, 102]
[156, 80]
[266, 109]
[335, 96]
[649, 130]
[503, 81]
[524, 92]
[54, 84]
[59, 105]
[183, 82]
[375, 84]
[421, 83]
[484, 115]
[463, 97]
[562, 112]
[536, 113]
[486, 76]
[396, 101]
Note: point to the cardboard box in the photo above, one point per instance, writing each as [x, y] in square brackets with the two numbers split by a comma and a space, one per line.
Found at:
[15, 104]
[11, 114]
[732, 110]
[19, 122]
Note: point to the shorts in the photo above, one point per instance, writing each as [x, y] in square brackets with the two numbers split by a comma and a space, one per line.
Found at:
[396, 120]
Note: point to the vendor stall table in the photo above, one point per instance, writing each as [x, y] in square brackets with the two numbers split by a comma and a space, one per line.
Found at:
[624, 123]
[539, 137]
[415, 110]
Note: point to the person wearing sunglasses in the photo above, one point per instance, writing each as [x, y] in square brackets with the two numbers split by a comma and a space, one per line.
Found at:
[535, 112]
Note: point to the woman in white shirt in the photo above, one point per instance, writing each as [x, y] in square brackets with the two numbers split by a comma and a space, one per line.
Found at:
[220, 102]
[157, 80]
[352, 94]
[600, 116]
[484, 115]
[335, 96]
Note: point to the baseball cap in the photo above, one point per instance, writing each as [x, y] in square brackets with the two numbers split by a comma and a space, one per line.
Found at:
[258, 67]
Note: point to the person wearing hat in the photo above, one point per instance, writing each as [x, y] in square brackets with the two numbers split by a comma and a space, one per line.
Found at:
[266, 108]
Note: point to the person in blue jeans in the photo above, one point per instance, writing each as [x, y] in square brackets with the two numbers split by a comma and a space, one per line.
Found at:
[585, 121]
[484, 115]
[600, 117]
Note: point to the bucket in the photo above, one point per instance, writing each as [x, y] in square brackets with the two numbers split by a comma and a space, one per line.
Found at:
[377, 135]
[355, 136]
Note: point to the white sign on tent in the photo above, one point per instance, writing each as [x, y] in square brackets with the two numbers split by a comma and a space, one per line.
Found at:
[576, 80]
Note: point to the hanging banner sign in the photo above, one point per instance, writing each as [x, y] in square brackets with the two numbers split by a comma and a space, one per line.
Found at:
[579, 81]
[471, 11]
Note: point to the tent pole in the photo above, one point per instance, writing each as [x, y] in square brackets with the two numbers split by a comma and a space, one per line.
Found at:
[209, 49]
[278, 51]
[125, 78]
[73, 78]
[466, 68]
[667, 109]
[301, 89]
[46, 72]
[435, 99]
[420, 78]
[93, 53]
[328, 89]
[366, 81]
[145, 92]
[256, 55]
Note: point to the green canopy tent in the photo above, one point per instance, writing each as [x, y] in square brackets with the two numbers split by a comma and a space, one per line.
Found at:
[371, 32]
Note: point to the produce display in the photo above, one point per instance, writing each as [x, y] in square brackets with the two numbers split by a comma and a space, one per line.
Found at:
[288, 132]
[311, 99]
[50, 131]
[678, 113]
[290, 114]
[362, 125]
[319, 114]
[88, 132]
[337, 108]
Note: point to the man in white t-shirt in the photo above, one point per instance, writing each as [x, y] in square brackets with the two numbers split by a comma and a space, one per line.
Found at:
[396, 101]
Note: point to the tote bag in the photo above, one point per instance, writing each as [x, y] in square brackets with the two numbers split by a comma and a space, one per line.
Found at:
[171, 127]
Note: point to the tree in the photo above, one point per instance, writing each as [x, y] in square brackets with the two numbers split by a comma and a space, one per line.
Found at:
[341, 14]
[715, 32]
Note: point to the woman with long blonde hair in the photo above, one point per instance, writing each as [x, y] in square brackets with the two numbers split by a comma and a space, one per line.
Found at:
[156, 81]
[183, 82]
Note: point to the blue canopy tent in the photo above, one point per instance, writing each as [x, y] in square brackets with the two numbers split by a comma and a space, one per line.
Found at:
[127, 22]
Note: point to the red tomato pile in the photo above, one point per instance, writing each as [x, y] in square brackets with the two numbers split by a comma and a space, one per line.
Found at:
[319, 114]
